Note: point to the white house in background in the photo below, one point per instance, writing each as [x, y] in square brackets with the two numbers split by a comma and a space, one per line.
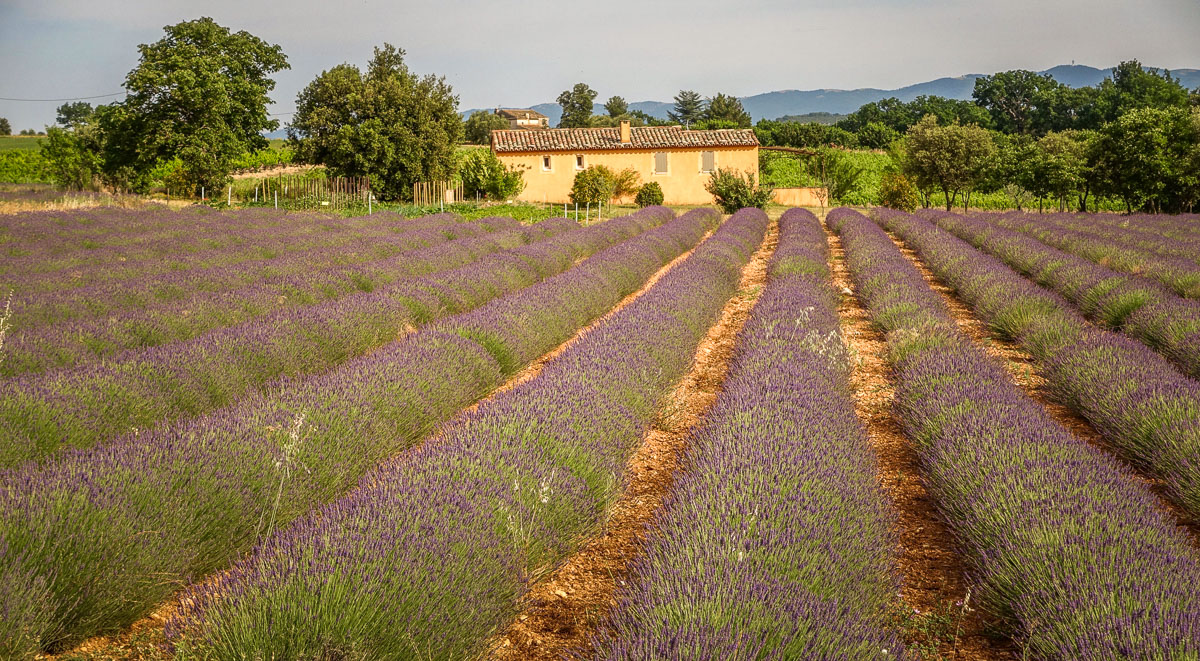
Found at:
[523, 118]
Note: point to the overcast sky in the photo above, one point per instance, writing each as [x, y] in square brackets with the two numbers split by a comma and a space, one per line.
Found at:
[498, 52]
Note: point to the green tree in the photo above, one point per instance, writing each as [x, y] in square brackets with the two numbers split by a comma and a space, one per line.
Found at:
[1014, 99]
[1133, 86]
[483, 174]
[386, 123]
[1061, 166]
[200, 94]
[576, 106]
[71, 115]
[592, 185]
[616, 106]
[897, 192]
[689, 108]
[836, 173]
[1148, 158]
[724, 108]
[647, 119]
[953, 158]
[73, 157]
[876, 135]
[5, 127]
[479, 126]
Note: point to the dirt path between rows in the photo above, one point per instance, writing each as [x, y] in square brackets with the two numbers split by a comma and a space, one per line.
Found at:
[145, 638]
[1022, 366]
[563, 613]
[932, 617]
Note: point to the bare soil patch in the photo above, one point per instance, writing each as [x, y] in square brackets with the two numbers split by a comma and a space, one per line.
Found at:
[563, 613]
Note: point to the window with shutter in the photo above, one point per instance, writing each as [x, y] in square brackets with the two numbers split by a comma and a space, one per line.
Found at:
[660, 162]
[708, 161]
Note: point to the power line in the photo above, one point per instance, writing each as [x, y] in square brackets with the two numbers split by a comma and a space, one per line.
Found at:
[74, 98]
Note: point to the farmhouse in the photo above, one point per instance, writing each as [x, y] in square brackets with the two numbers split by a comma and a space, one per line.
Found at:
[679, 160]
[522, 118]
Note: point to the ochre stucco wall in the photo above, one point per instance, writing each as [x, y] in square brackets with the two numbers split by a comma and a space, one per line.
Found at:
[798, 197]
[682, 184]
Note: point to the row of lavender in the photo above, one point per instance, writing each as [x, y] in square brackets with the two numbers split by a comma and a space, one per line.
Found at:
[1163, 235]
[111, 296]
[430, 554]
[70, 343]
[188, 246]
[1141, 308]
[775, 543]
[96, 540]
[1079, 236]
[1077, 557]
[41, 413]
[1132, 395]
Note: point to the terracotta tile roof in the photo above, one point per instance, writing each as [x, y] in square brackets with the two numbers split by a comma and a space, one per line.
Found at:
[641, 137]
[519, 113]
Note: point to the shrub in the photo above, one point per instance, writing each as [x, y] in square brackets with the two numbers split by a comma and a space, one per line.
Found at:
[482, 173]
[593, 185]
[897, 192]
[733, 190]
[649, 195]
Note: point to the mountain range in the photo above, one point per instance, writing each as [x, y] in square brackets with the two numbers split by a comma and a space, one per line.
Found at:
[771, 105]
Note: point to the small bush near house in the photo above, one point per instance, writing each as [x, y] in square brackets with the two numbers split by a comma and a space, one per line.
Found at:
[649, 195]
[897, 192]
[734, 190]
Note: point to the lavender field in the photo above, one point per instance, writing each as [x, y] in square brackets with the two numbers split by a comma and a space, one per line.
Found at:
[276, 435]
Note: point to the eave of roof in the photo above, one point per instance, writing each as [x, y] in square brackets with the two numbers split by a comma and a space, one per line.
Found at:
[609, 139]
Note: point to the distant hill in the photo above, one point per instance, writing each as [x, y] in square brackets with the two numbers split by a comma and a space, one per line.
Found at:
[782, 103]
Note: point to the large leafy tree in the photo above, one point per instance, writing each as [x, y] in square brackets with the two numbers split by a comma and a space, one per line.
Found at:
[616, 106]
[386, 123]
[5, 126]
[1148, 158]
[479, 126]
[689, 108]
[727, 109]
[576, 105]
[199, 94]
[1133, 86]
[74, 114]
[952, 158]
[1013, 99]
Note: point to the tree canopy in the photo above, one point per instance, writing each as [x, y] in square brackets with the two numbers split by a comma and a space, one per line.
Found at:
[616, 106]
[479, 126]
[727, 109]
[386, 123]
[689, 108]
[577, 104]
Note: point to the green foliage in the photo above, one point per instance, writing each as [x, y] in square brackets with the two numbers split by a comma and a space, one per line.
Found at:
[73, 158]
[1015, 99]
[483, 174]
[876, 135]
[576, 106]
[811, 135]
[897, 192]
[728, 109]
[479, 126]
[1132, 87]
[828, 118]
[264, 159]
[74, 115]
[386, 123]
[689, 108]
[837, 174]
[616, 106]
[1150, 158]
[5, 127]
[950, 158]
[598, 183]
[200, 95]
[24, 167]
[733, 190]
[650, 194]
[899, 116]
[647, 119]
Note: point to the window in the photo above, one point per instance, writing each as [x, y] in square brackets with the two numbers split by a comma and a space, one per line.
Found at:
[660, 162]
[545, 164]
[579, 161]
[708, 161]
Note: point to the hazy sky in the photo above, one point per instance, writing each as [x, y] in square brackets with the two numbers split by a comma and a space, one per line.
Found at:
[497, 52]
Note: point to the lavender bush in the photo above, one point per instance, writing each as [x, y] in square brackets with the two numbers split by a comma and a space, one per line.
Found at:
[1080, 559]
[1133, 396]
[429, 555]
[101, 536]
[775, 542]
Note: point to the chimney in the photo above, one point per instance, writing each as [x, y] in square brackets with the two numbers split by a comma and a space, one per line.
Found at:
[624, 131]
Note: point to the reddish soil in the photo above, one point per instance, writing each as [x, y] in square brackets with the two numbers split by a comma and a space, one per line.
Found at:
[934, 615]
[1023, 368]
[562, 614]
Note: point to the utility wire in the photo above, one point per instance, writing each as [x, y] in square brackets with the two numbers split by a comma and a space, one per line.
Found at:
[74, 98]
